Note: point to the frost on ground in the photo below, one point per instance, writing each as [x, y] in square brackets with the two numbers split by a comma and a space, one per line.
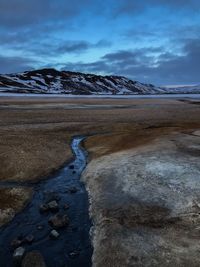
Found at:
[145, 203]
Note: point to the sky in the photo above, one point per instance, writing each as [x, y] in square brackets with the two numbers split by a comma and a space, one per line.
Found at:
[152, 41]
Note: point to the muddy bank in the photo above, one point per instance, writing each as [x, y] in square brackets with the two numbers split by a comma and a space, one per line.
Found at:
[145, 203]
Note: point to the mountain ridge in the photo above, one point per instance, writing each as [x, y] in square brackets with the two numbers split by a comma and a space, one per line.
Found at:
[52, 81]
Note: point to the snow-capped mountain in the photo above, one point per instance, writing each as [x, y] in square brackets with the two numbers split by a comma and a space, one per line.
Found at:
[51, 81]
[66, 82]
[189, 89]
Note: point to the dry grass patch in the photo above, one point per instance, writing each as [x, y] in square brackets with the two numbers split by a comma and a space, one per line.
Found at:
[12, 200]
[30, 154]
[100, 145]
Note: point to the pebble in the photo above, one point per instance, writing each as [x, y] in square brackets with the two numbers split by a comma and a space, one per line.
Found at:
[53, 206]
[59, 221]
[33, 259]
[73, 190]
[29, 239]
[18, 254]
[16, 243]
[54, 234]
[71, 167]
[65, 206]
[40, 227]
[44, 208]
[74, 254]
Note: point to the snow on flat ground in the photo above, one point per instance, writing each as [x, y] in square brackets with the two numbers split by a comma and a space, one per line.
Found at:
[195, 96]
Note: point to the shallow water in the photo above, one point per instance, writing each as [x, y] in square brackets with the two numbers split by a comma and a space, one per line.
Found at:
[75, 237]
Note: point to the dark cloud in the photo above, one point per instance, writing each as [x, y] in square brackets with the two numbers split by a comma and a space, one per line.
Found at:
[132, 57]
[132, 6]
[94, 67]
[9, 64]
[81, 46]
[21, 13]
[166, 68]
[51, 30]
[43, 45]
[74, 46]
[103, 43]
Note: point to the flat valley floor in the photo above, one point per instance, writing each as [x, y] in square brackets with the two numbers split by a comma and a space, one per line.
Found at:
[142, 176]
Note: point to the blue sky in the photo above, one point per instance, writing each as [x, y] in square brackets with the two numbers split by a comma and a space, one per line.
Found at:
[154, 41]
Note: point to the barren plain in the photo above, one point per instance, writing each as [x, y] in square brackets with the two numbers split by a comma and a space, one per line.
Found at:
[142, 176]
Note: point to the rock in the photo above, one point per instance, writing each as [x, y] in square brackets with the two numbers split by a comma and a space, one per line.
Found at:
[18, 254]
[65, 206]
[44, 208]
[53, 206]
[71, 167]
[40, 227]
[73, 190]
[74, 172]
[54, 234]
[51, 196]
[33, 259]
[29, 239]
[59, 221]
[16, 243]
[74, 254]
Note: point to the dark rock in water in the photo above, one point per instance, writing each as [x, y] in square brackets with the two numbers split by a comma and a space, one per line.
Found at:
[54, 234]
[51, 196]
[18, 254]
[16, 243]
[33, 259]
[29, 239]
[74, 172]
[65, 206]
[72, 190]
[40, 227]
[59, 221]
[71, 167]
[53, 206]
[74, 254]
[44, 208]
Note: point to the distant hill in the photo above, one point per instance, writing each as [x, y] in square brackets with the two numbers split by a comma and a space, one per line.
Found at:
[51, 81]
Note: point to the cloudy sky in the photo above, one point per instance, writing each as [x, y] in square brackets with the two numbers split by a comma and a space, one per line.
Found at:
[156, 41]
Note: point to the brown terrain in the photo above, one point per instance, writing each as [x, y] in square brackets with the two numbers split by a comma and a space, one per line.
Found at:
[142, 175]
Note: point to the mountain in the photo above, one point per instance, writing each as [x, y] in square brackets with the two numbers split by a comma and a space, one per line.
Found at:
[189, 89]
[51, 81]
[65, 82]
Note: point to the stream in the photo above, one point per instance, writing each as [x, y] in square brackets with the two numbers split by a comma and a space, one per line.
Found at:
[73, 247]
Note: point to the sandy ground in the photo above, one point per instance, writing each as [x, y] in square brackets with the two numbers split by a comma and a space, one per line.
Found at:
[141, 154]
